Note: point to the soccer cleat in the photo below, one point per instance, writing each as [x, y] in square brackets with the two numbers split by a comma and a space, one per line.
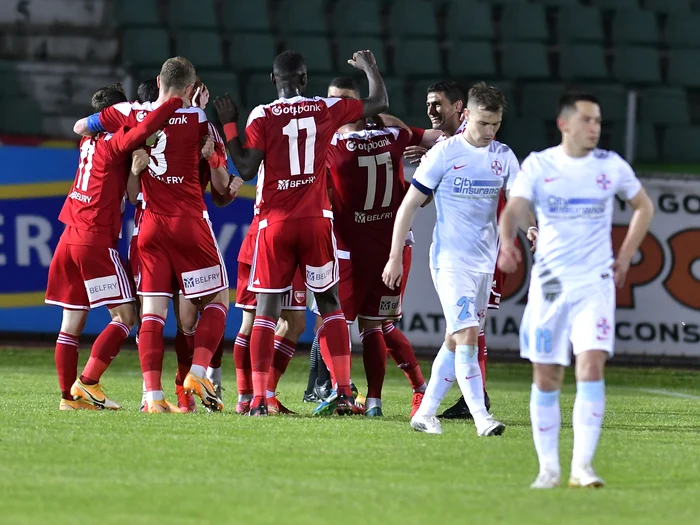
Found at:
[243, 407]
[75, 404]
[375, 412]
[218, 389]
[427, 424]
[416, 401]
[323, 391]
[345, 406]
[585, 477]
[460, 410]
[258, 409]
[546, 480]
[162, 406]
[328, 406]
[310, 397]
[202, 387]
[144, 406]
[93, 394]
[491, 427]
[185, 401]
[274, 407]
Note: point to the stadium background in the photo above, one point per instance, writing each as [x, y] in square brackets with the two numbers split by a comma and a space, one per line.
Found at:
[640, 58]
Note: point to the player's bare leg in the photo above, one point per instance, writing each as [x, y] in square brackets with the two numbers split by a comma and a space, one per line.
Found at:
[66, 357]
[589, 409]
[262, 348]
[290, 326]
[402, 353]
[207, 336]
[374, 357]
[104, 350]
[241, 359]
[152, 351]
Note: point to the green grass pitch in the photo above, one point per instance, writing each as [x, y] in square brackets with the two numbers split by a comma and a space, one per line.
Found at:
[131, 468]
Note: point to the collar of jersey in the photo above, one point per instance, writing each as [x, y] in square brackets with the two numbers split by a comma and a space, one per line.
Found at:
[292, 100]
[559, 153]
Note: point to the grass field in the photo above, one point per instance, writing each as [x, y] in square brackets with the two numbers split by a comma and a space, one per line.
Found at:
[131, 468]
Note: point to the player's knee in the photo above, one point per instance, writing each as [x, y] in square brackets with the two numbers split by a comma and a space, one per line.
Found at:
[548, 377]
[247, 320]
[367, 324]
[125, 314]
[269, 305]
[292, 324]
[73, 321]
[590, 365]
[466, 336]
[328, 301]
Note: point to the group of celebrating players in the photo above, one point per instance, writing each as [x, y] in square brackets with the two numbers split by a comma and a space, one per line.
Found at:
[332, 217]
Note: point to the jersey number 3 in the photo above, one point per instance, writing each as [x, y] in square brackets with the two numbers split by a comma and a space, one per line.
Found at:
[291, 130]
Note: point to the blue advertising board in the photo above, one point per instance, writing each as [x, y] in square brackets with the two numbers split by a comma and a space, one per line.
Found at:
[34, 182]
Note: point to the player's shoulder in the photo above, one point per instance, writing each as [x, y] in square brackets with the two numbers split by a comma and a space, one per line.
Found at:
[198, 112]
[544, 155]
[604, 155]
[125, 108]
[499, 148]
[256, 113]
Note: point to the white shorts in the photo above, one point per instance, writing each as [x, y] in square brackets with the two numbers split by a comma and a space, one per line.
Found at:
[464, 297]
[583, 317]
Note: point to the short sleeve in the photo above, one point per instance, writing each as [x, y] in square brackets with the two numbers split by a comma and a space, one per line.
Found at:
[523, 184]
[219, 145]
[344, 110]
[255, 129]
[416, 137]
[115, 117]
[628, 184]
[430, 172]
[513, 170]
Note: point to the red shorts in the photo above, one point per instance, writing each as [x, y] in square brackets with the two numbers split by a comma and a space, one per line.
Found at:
[294, 299]
[179, 253]
[282, 247]
[495, 299]
[84, 277]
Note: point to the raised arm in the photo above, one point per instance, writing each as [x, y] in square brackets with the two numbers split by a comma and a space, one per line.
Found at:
[378, 99]
[246, 160]
[154, 121]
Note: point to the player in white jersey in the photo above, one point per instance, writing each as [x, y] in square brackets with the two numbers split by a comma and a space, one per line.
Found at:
[572, 286]
[466, 174]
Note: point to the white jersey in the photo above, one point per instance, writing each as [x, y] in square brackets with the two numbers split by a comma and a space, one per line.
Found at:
[466, 181]
[573, 199]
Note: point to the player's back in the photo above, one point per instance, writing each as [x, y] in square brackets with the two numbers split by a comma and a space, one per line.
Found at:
[95, 202]
[573, 199]
[295, 135]
[368, 184]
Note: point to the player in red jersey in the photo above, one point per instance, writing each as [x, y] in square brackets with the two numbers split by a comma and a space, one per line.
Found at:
[176, 244]
[292, 135]
[86, 270]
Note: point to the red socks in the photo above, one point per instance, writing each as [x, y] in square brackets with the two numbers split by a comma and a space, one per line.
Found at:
[284, 351]
[403, 355]
[151, 351]
[483, 357]
[209, 333]
[66, 357]
[326, 354]
[218, 355]
[244, 370]
[335, 332]
[105, 349]
[262, 347]
[374, 358]
[184, 350]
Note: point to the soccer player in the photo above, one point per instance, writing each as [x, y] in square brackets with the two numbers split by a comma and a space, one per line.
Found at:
[572, 285]
[368, 186]
[292, 135]
[466, 173]
[86, 270]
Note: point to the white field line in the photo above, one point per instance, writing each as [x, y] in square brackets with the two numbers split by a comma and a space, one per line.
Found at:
[668, 393]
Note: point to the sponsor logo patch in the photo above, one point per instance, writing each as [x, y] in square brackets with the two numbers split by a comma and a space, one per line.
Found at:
[390, 305]
[102, 288]
[201, 280]
[319, 276]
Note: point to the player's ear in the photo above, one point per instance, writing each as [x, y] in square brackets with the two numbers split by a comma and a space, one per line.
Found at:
[272, 78]
[158, 81]
[460, 106]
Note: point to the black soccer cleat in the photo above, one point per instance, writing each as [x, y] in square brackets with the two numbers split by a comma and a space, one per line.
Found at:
[460, 410]
[310, 397]
[258, 409]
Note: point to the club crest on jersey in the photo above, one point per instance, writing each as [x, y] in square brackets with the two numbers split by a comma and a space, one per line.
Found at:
[300, 297]
[477, 187]
[603, 329]
[496, 167]
[603, 181]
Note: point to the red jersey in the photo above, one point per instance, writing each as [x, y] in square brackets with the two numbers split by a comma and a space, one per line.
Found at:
[368, 183]
[95, 203]
[172, 186]
[295, 135]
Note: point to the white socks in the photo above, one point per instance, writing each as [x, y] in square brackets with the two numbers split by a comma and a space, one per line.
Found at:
[469, 378]
[442, 376]
[155, 395]
[589, 409]
[545, 416]
[214, 374]
[372, 402]
[198, 370]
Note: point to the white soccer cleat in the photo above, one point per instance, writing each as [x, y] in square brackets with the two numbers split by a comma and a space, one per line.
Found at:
[491, 427]
[546, 480]
[427, 424]
[585, 477]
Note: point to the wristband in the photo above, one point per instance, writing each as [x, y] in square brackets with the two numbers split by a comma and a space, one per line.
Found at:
[231, 131]
[215, 161]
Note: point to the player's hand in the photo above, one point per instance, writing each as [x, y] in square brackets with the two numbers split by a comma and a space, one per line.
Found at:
[363, 60]
[200, 97]
[532, 235]
[139, 161]
[235, 186]
[392, 272]
[207, 147]
[508, 257]
[620, 268]
[413, 154]
[226, 109]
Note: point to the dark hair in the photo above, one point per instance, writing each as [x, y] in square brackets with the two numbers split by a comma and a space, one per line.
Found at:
[488, 98]
[177, 73]
[345, 83]
[452, 91]
[568, 100]
[288, 64]
[148, 90]
[108, 96]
